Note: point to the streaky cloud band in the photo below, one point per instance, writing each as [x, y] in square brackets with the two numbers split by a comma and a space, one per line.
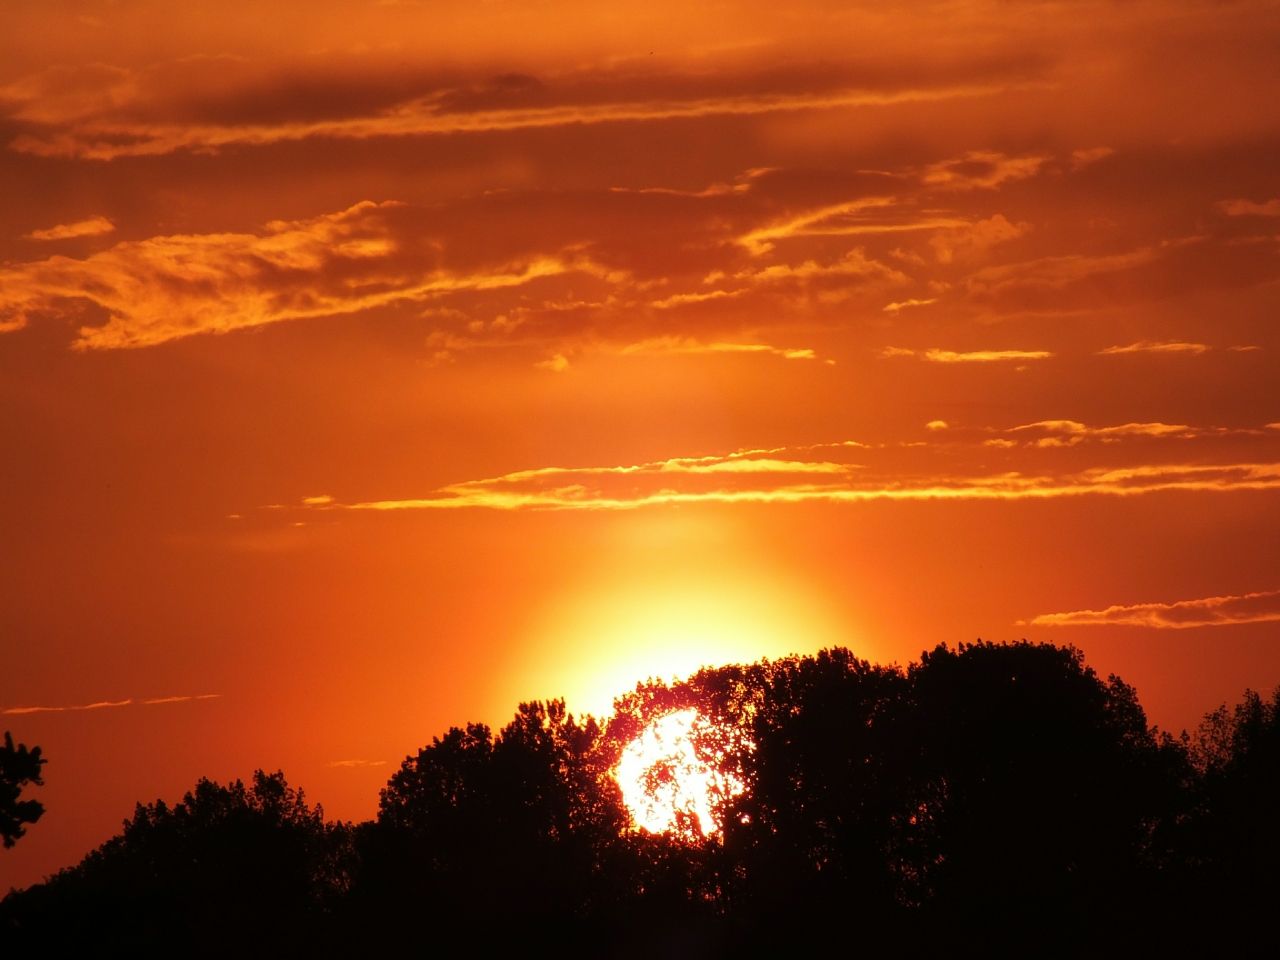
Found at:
[110, 703]
[1261, 607]
[109, 140]
[590, 488]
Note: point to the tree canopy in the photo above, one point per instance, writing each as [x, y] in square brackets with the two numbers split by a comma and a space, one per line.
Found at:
[18, 767]
[999, 798]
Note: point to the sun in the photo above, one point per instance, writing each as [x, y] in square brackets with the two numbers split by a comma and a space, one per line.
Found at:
[665, 781]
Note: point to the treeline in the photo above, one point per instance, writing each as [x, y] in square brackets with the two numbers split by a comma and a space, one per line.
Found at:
[997, 799]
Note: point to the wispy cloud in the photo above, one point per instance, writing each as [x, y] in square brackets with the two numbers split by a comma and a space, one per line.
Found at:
[969, 241]
[902, 305]
[684, 299]
[1157, 346]
[1260, 607]
[972, 356]
[760, 477]
[170, 287]
[849, 218]
[95, 137]
[356, 763]
[92, 227]
[978, 356]
[1053, 273]
[688, 345]
[102, 704]
[855, 263]
[1243, 208]
[981, 169]
[1082, 158]
[1070, 432]
[984, 356]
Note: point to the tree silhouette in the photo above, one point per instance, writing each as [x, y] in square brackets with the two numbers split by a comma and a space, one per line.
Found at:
[467, 825]
[1042, 783]
[232, 862]
[999, 799]
[18, 767]
[1228, 846]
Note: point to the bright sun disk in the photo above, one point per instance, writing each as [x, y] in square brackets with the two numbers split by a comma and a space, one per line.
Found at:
[662, 776]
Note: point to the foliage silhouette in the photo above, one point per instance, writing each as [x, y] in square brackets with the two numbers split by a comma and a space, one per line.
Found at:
[18, 767]
[993, 798]
[228, 863]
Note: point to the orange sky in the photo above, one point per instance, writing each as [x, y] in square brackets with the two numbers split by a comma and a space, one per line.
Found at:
[368, 367]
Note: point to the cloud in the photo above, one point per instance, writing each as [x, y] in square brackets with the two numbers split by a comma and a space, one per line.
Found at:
[1157, 346]
[93, 125]
[557, 364]
[170, 287]
[688, 345]
[745, 183]
[936, 425]
[355, 763]
[980, 169]
[984, 356]
[682, 299]
[1075, 432]
[973, 356]
[109, 703]
[895, 307]
[1243, 208]
[762, 476]
[1263, 607]
[1056, 272]
[92, 227]
[974, 239]
[839, 219]
[855, 263]
[1082, 158]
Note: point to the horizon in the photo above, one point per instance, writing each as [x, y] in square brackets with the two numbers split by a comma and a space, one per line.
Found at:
[367, 369]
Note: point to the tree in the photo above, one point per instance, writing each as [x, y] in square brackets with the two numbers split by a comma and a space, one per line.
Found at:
[1228, 845]
[18, 767]
[493, 837]
[810, 842]
[255, 864]
[1044, 788]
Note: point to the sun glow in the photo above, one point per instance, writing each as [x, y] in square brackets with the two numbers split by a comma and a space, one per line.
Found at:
[666, 784]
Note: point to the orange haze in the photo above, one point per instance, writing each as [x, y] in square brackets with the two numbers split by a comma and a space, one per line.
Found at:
[366, 368]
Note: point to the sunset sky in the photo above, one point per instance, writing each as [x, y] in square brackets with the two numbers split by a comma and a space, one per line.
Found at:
[368, 367]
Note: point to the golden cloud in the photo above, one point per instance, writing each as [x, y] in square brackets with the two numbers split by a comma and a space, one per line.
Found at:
[855, 263]
[1056, 272]
[1242, 208]
[83, 128]
[1157, 346]
[110, 703]
[974, 239]
[759, 477]
[895, 307]
[688, 345]
[94, 226]
[1263, 607]
[984, 356]
[169, 287]
[972, 356]
[981, 169]
[1075, 431]
[848, 218]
